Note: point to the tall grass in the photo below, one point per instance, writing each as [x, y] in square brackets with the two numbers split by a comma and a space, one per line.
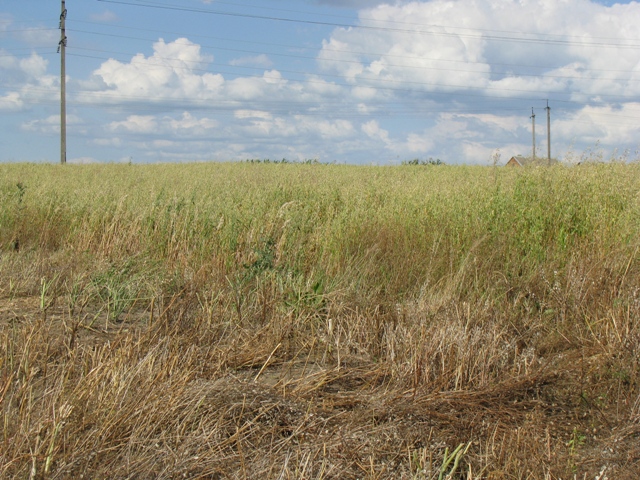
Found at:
[319, 321]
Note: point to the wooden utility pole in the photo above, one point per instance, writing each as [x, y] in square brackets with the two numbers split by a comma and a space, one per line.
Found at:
[63, 86]
[548, 109]
[533, 132]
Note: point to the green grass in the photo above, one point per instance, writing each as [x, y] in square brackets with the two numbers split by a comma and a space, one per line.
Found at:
[325, 321]
[400, 225]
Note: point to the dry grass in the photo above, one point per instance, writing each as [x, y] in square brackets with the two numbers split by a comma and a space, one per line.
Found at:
[289, 321]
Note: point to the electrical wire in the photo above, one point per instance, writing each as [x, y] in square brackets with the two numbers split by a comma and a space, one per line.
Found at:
[163, 6]
[337, 109]
[367, 54]
[356, 62]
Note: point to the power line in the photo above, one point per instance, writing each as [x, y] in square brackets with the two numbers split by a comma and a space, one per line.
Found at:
[382, 87]
[31, 53]
[388, 88]
[390, 109]
[397, 22]
[377, 83]
[32, 29]
[324, 48]
[370, 27]
[143, 103]
[355, 62]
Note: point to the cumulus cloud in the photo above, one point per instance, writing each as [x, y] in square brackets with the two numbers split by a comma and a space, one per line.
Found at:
[352, 3]
[176, 74]
[51, 125]
[508, 123]
[189, 125]
[25, 82]
[605, 124]
[449, 46]
[186, 125]
[456, 53]
[172, 72]
[372, 130]
[21, 71]
[419, 143]
[136, 124]
[11, 102]
[35, 66]
[453, 79]
[242, 114]
[476, 153]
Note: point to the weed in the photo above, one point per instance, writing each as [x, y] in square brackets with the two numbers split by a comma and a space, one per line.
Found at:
[295, 320]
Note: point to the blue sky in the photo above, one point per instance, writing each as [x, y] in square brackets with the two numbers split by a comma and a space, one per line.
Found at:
[350, 81]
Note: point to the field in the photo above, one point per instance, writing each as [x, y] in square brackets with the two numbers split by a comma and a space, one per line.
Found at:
[279, 321]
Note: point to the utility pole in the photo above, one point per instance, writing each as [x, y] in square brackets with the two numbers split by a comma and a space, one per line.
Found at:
[548, 109]
[63, 86]
[533, 132]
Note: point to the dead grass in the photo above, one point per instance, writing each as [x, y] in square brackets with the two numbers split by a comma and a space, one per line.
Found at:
[302, 358]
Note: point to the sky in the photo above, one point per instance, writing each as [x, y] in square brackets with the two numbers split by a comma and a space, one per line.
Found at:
[346, 81]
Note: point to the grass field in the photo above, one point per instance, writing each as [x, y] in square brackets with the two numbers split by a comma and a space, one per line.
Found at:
[319, 321]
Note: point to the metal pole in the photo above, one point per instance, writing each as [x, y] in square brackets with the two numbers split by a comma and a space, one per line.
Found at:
[533, 132]
[63, 86]
[548, 132]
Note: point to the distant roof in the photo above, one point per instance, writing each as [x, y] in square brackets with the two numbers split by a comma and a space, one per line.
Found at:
[520, 159]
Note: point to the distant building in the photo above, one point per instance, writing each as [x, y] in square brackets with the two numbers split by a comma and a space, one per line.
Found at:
[517, 161]
[520, 161]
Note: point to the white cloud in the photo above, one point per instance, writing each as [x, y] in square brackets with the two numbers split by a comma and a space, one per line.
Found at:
[11, 102]
[372, 130]
[175, 75]
[605, 124]
[452, 79]
[136, 124]
[51, 125]
[419, 143]
[245, 89]
[301, 128]
[472, 52]
[172, 72]
[242, 114]
[325, 128]
[504, 123]
[34, 66]
[352, 3]
[274, 77]
[268, 87]
[25, 82]
[364, 93]
[187, 125]
[319, 86]
[476, 153]
[32, 69]
[192, 126]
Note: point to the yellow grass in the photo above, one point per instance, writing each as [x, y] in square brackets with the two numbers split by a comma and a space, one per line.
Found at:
[319, 321]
